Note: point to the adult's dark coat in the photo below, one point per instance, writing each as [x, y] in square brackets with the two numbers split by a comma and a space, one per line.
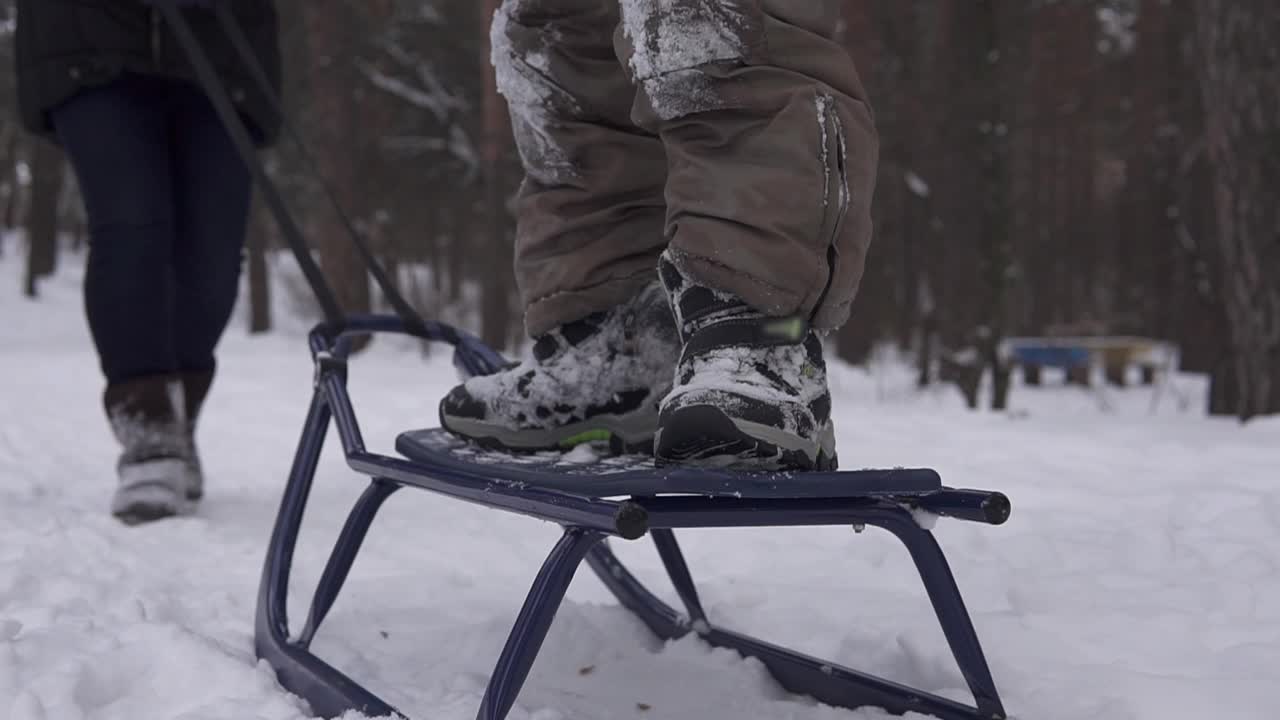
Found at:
[65, 46]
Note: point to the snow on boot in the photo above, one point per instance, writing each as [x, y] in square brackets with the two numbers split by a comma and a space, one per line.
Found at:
[595, 380]
[750, 390]
[148, 417]
[195, 388]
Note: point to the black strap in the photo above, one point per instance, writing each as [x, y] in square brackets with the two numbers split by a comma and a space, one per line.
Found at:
[749, 332]
[218, 95]
[242, 46]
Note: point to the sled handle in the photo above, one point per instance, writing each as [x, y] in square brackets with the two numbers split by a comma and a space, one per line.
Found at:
[471, 356]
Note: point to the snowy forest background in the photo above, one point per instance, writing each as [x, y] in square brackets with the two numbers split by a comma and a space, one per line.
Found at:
[1050, 167]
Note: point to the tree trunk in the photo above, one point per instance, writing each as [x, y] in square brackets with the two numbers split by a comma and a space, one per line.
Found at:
[1224, 388]
[42, 214]
[460, 228]
[996, 244]
[335, 130]
[1238, 69]
[926, 356]
[495, 313]
[964, 369]
[259, 277]
[14, 188]
[927, 353]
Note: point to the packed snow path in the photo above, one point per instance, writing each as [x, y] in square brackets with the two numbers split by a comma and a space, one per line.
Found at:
[1137, 580]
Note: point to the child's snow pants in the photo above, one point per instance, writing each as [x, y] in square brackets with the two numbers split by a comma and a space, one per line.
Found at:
[735, 132]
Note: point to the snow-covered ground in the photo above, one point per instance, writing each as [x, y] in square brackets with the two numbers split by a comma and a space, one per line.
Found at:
[1138, 579]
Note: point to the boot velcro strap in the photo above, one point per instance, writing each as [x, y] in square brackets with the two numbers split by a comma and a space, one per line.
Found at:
[748, 332]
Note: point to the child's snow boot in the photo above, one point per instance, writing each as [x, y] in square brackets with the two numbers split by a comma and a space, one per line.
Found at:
[595, 380]
[750, 390]
[148, 417]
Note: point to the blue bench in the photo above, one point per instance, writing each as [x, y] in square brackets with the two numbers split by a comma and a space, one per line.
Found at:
[1065, 357]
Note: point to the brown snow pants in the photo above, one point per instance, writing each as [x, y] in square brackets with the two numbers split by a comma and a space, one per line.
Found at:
[734, 132]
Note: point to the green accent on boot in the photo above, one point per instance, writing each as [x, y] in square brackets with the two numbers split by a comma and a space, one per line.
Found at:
[792, 329]
[583, 438]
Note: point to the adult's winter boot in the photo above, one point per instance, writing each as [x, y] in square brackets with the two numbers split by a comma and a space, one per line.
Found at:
[148, 417]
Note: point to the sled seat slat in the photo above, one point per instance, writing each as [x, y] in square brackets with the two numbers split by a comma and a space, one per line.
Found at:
[636, 476]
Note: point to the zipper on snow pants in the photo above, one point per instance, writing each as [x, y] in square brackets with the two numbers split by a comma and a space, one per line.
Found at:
[835, 200]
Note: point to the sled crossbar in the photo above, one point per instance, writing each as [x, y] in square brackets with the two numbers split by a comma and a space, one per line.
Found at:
[594, 502]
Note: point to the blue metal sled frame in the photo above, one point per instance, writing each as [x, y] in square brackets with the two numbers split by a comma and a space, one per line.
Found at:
[588, 521]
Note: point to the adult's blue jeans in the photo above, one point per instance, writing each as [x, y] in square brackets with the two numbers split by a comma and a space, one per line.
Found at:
[167, 200]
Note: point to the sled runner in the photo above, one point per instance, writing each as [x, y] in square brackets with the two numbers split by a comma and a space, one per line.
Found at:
[626, 499]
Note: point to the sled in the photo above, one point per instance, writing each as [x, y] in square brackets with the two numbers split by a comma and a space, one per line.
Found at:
[626, 500]
[616, 498]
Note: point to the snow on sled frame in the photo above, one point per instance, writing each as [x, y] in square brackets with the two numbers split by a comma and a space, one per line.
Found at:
[593, 508]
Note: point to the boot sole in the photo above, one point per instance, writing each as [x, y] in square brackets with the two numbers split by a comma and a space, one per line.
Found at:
[151, 491]
[149, 511]
[704, 436]
[624, 434]
[144, 513]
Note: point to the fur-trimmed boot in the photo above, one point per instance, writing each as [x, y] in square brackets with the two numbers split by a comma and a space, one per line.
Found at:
[148, 416]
